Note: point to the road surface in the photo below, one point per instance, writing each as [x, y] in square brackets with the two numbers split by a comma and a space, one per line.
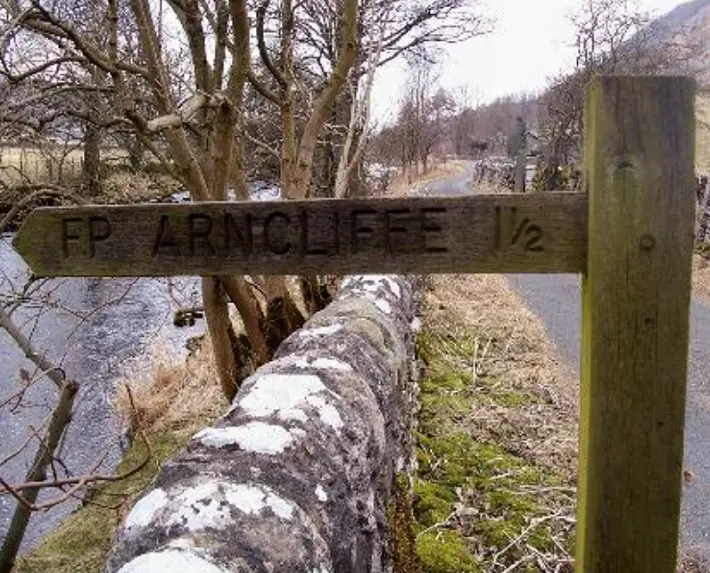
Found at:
[556, 299]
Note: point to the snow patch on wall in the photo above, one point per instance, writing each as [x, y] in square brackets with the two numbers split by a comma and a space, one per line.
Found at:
[282, 394]
[143, 512]
[321, 331]
[209, 505]
[384, 306]
[274, 393]
[327, 413]
[256, 437]
[331, 364]
[368, 283]
[320, 494]
[322, 364]
[170, 561]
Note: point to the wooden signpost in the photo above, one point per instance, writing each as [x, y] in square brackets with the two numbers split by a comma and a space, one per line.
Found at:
[630, 235]
[505, 233]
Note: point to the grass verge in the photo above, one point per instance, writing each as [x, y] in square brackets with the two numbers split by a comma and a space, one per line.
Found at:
[495, 485]
[702, 157]
[701, 276]
[495, 488]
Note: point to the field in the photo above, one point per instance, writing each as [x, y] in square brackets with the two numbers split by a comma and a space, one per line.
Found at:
[51, 163]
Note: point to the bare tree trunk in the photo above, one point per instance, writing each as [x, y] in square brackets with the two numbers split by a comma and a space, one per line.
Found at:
[248, 307]
[219, 326]
[53, 372]
[135, 153]
[45, 452]
[303, 167]
[282, 314]
[520, 166]
[91, 176]
[315, 294]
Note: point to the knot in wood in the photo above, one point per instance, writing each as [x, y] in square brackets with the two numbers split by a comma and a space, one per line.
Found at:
[648, 242]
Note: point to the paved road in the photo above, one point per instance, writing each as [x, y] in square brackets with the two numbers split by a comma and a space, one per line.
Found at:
[556, 299]
[458, 184]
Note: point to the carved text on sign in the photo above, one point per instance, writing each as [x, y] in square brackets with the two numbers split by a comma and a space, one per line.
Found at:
[501, 233]
[514, 230]
[277, 233]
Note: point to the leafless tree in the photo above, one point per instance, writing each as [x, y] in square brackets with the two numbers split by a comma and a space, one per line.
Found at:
[611, 36]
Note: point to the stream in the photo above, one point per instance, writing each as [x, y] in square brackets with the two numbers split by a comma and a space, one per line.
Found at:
[98, 331]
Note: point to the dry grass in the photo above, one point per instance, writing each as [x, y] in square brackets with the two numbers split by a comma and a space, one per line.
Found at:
[400, 186]
[488, 188]
[523, 401]
[498, 435]
[701, 277]
[514, 351]
[173, 397]
[125, 187]
[41, 165]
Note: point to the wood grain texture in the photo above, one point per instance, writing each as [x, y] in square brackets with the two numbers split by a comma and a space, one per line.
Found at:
[639, 150]
[536, 233]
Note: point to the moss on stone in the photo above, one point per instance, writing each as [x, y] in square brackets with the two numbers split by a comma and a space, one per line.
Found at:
[433, 502]
[401, 540]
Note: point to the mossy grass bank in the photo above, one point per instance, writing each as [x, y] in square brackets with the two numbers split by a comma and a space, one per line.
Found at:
[496, 441]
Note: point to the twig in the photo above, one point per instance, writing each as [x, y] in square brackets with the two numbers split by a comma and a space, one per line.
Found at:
[534, 524]
[44, 190]
[444, 523]
[78, 481]
[519, 562]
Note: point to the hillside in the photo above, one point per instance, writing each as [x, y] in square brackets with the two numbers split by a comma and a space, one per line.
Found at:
[688, 25]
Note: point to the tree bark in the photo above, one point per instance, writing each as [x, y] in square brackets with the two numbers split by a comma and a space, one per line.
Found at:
[91, 172]
[247, 305]
[219, 325]
[282, 314]
[315, 294]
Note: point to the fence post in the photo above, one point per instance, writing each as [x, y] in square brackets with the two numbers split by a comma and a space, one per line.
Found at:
[639, 155]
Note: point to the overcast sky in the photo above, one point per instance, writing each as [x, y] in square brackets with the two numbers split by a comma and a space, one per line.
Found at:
[531, 42]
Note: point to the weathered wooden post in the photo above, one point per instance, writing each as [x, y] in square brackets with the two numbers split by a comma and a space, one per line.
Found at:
[639, 154]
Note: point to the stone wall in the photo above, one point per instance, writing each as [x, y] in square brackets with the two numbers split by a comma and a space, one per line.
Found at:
[297, 476]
